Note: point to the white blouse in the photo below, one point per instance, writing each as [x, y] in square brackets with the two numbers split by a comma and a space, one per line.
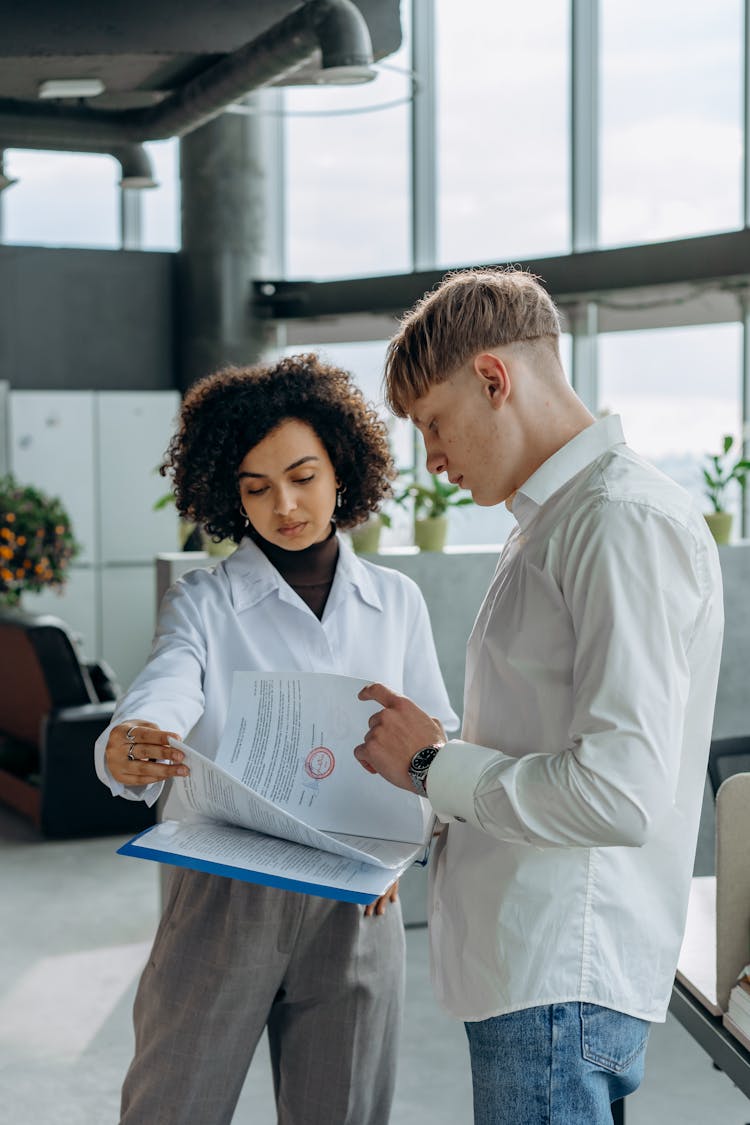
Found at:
[243, 616]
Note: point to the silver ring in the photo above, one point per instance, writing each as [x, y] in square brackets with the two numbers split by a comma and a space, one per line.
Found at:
[130, 736]
[131, 755]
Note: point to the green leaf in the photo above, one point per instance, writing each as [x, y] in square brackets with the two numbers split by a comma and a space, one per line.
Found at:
[728, 442]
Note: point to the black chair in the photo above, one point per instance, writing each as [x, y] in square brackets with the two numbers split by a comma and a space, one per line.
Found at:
[53, 705]
[726, 757]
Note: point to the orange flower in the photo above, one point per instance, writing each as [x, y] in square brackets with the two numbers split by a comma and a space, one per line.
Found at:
[6, 574]
[6, 533]
[6, 553]
[11, 517]
[21, 540]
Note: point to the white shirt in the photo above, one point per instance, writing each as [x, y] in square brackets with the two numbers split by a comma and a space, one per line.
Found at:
[242, 616]
[590, 686]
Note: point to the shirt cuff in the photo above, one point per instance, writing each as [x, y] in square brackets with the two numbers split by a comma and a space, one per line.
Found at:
[453, 777]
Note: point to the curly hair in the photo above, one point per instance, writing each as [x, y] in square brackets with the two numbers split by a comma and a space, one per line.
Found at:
[225, 415]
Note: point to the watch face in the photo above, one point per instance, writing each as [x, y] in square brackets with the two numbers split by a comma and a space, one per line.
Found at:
[423, 758]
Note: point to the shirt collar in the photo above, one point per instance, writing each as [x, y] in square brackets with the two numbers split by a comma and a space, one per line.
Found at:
[563, 465]
[253, 577]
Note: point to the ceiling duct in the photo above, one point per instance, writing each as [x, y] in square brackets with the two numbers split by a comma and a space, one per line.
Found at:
[335, 27]
[135, 164]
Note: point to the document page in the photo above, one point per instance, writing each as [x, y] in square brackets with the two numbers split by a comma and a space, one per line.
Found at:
[261, 859]
[210, 791]
[290, 738]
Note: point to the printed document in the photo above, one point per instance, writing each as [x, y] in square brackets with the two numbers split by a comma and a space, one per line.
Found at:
[285, 802]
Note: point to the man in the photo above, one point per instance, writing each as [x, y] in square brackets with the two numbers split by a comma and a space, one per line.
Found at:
[559, 888]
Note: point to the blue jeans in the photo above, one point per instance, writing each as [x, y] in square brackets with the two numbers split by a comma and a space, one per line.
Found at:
[559, 1064]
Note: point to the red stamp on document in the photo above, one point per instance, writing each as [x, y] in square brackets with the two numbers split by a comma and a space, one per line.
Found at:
[319, 763]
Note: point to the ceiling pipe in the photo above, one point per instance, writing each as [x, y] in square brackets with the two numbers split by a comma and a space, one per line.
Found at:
[336, 27]
[136, 168]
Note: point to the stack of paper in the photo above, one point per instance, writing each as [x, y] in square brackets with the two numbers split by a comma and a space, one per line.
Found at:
[739, 1002]
[285, 803]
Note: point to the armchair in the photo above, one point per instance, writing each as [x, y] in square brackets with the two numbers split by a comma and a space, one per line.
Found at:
[52, 707]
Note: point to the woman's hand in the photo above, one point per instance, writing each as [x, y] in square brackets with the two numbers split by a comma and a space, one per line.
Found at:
[380, 904]
[138, 753]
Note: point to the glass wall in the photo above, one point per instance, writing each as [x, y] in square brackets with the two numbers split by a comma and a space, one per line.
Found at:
[73, 199]
[671, 77]
[347, 202]
[161, 205]
[502, 124]
[495, 161]
[61, 199]
[678, 391]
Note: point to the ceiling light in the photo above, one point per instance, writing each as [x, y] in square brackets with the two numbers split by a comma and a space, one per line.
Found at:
[71, 88]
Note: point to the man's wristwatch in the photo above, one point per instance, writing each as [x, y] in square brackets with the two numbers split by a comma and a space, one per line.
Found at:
[420, 764]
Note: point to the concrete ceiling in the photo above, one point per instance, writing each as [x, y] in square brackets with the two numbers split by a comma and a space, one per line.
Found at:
[153, 53]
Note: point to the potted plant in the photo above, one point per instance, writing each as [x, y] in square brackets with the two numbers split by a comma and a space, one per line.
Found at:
[431, 504]
[365, 536]
[194, 538]
[716, 478]
[37, 543]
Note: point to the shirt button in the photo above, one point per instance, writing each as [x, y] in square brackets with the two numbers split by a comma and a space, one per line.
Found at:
[461, 819]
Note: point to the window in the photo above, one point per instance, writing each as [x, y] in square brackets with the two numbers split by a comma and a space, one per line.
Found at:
[671, 119]
[347, 175]
[161, 205]
[62, 199]
[502, 129]
[678, 392]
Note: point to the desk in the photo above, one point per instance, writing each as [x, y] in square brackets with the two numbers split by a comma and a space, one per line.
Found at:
[709, 1032]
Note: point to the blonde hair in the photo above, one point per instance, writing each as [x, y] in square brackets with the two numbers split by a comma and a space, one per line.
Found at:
[469, 312]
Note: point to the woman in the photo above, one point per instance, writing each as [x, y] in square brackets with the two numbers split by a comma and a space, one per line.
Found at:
[276, 458]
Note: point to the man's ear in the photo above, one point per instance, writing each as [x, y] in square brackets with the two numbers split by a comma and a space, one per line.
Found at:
[494, 378]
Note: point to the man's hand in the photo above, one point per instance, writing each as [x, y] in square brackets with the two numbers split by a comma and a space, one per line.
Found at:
[395, 735]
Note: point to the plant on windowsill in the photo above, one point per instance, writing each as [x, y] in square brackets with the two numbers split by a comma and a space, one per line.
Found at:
[716, 478]
[432, 503]
[37, 544]
[194, 538]
[365, 537]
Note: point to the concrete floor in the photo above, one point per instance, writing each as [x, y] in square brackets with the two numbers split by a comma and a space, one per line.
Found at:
[77, 924]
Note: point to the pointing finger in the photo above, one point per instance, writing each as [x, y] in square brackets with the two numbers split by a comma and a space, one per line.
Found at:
[381, 694]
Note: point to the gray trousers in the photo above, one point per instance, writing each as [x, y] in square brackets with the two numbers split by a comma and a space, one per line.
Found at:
[230, 958]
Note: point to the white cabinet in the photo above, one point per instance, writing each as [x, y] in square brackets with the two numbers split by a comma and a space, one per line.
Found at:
[133, 432]
[98, 451]
[52, 447]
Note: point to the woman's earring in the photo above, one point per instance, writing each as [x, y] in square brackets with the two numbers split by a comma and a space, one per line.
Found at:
[245, 520]
[340, 490]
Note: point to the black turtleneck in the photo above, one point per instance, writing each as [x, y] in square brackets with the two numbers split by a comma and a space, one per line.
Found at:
[309, 572]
